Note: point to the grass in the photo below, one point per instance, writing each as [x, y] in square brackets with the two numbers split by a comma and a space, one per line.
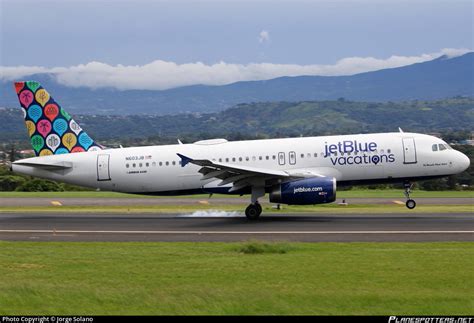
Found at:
[258, 247]
[51, 278]
[389, 193]
[313, 209]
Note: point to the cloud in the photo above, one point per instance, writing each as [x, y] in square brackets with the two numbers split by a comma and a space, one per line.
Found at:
[161, 75]
[264, 37]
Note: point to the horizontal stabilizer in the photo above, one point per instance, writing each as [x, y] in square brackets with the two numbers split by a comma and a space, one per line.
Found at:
[45, 165]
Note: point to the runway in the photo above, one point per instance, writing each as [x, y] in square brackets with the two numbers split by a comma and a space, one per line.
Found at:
[233, 226]
[88, 201]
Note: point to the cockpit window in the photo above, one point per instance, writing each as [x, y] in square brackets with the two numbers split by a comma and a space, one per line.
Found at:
[434, 147]
[442, 147]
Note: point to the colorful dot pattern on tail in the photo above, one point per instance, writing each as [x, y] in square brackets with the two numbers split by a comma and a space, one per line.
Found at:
[51, 129]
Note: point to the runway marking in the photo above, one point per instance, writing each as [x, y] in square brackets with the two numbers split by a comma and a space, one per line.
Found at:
[233, 232]
[399, 202]
[56, 203]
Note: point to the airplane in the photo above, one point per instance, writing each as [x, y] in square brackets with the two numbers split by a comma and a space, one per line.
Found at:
[293, 171]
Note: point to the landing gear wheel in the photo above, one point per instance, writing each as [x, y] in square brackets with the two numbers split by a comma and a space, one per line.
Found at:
[253, 211]
[411, 204]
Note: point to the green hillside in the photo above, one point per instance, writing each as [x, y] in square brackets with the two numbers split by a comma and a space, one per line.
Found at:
[272, 119]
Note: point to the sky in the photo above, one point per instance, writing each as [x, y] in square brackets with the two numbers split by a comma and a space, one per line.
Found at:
[164, 44]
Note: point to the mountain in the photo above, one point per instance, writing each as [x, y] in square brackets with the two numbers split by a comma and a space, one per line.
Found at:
[439, 78]
[269, 119]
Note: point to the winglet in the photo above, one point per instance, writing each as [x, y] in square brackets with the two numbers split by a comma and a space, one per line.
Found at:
[184, 160]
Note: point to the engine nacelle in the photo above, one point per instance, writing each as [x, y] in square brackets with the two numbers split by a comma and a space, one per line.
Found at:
[315, 190]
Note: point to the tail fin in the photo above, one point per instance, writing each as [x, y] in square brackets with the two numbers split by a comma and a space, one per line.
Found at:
[51, 128]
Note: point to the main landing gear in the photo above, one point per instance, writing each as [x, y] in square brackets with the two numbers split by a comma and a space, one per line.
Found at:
[253, 211]
[410, 203]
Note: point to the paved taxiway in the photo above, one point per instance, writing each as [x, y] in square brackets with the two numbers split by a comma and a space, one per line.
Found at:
[235, 227]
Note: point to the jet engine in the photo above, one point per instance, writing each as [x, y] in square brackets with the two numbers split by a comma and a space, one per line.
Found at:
[315, 190]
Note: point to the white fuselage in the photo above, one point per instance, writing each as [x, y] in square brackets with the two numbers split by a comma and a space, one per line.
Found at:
[350, 159]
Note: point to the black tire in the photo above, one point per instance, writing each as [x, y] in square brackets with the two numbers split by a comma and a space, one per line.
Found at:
[411, 204]
[253, 211]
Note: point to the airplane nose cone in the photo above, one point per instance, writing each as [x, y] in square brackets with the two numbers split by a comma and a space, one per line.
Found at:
[463, 162]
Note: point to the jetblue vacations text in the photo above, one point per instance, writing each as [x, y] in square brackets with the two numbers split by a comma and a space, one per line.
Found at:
[353, 148]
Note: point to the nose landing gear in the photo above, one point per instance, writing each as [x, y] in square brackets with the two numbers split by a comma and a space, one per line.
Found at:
[411, 204]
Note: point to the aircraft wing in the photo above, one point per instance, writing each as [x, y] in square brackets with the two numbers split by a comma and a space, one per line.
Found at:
[240, 176]
[315, 172]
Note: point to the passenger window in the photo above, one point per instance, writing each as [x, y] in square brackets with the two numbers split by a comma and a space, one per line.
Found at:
[167, 163]
[267, 157]
[127, 165]
[302, 155]
[315, 154]
[240, 158]
[434, 147]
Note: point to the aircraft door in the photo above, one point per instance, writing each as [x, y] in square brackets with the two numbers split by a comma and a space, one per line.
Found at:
[409, 151]
[103, 170]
